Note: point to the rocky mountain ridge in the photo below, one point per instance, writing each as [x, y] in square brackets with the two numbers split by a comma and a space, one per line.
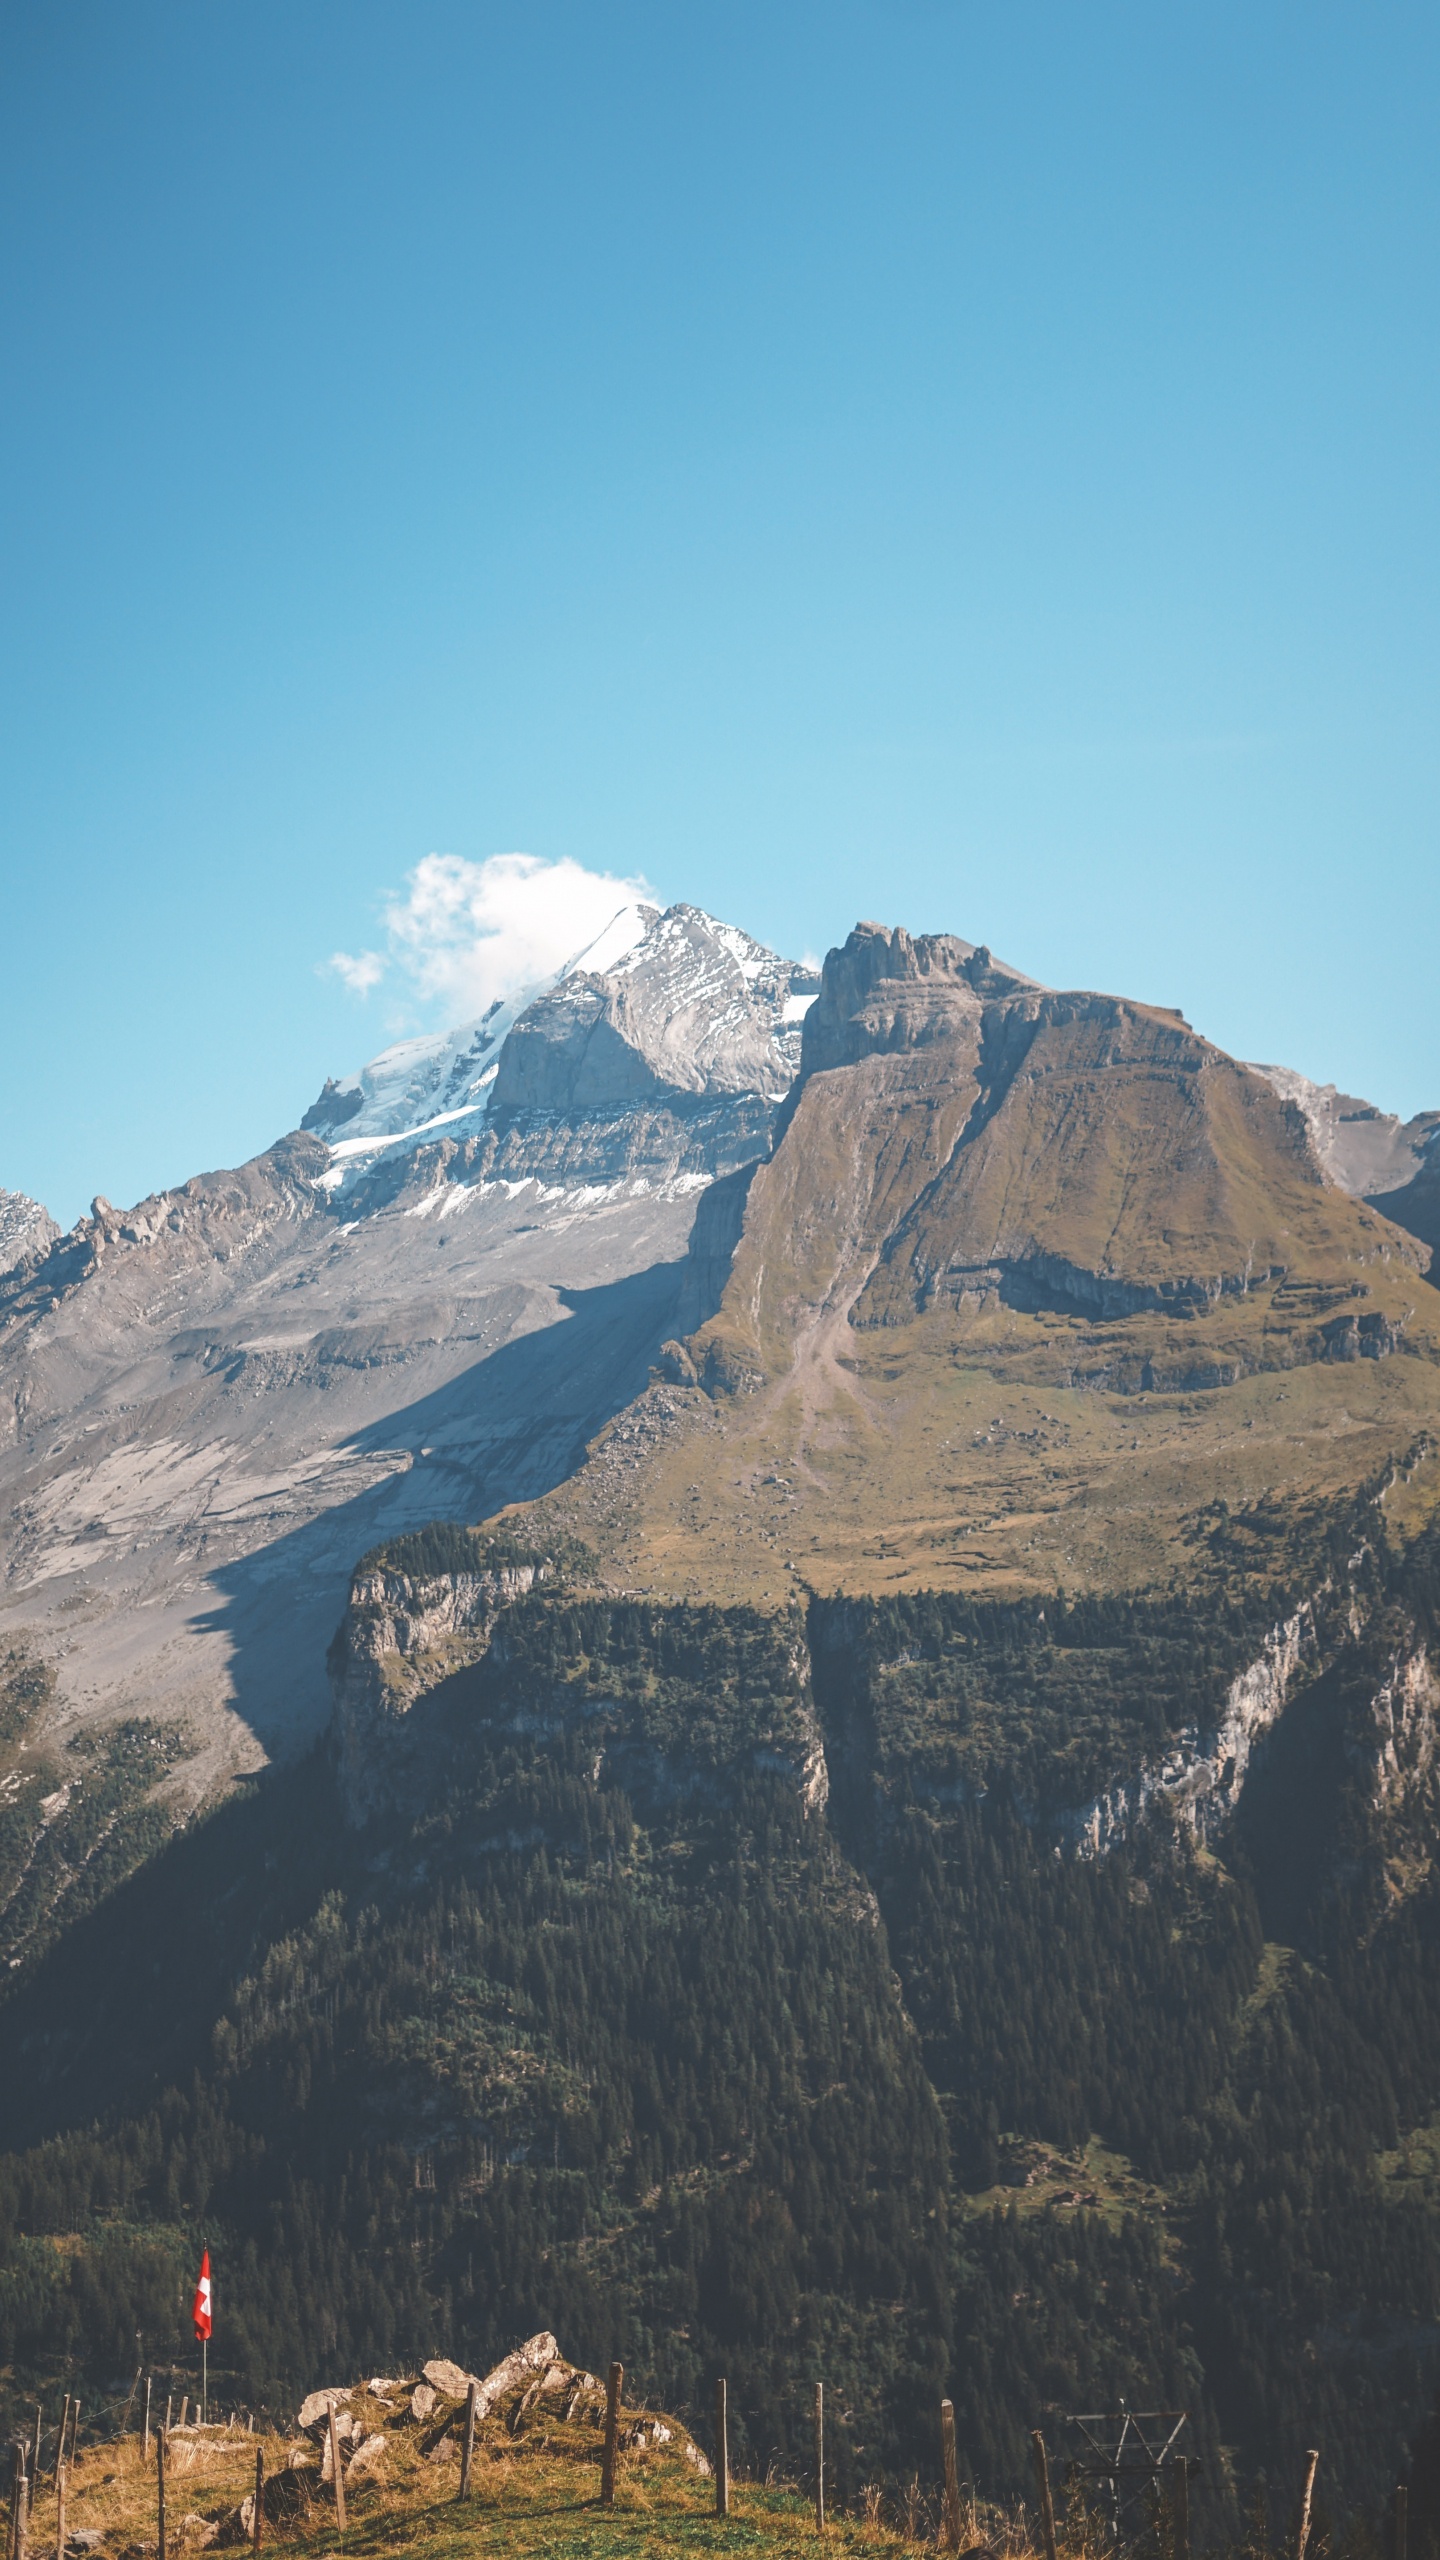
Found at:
[1028, 1278]
[1368, 1151]
[657, 1055]
[26, 1230]
[687, 1157]
[910, 1654]
[211, 1403]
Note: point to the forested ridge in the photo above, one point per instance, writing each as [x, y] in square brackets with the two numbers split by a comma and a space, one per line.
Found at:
[615, 2024]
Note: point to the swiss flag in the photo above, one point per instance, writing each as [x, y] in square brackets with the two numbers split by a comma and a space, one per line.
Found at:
[200, 2309]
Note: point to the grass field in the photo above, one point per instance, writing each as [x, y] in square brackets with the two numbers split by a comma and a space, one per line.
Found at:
[536, 2499]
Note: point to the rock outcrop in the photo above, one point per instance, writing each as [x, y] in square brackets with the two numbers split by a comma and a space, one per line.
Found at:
[959, 1135]
[26, 1230]
[660, 1055]
[401, 1633]
[1199, 1781]
[1391, 1162]
[535, 2387]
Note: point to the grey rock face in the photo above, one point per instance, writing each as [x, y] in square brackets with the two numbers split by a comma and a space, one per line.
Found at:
[890, 991]
[400, 1633]
[1392, 1162]
[661, 1052]
[416, 1308]
[697, 1008]
[1202, 1776]
[26, 1230]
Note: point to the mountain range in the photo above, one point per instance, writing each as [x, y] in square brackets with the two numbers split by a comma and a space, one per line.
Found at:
[429, 1298]
[422, 1301]
[763, 1645]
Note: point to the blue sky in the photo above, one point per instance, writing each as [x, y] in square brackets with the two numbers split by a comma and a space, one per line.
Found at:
[967, 462]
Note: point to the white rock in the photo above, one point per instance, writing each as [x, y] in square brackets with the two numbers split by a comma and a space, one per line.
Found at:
[450, 2380]
[536, 2356]
[319, 2404]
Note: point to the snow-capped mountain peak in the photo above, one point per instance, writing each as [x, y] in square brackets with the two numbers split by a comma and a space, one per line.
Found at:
[675, 1003]
[440, 1076]
[614, 948]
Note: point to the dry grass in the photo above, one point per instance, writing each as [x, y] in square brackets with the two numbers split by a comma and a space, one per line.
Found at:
[936, 1457]
[890, 1437]
[536, 2498]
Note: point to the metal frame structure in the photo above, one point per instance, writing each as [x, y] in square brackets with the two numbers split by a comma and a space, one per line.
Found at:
[1123, 2457]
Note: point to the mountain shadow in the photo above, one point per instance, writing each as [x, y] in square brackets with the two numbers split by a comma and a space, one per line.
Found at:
[508, 1428]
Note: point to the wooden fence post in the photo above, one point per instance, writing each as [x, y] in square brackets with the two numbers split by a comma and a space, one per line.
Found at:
[1402, 2521]
[162, 2443]
[34, 2463]
[60, 2513]
[74, 2430]
[1312, 2465]
[145, 2442]
[335, 2472]
[1042, 2484]
[819, 2457]
[722, 2447]
[60, 2439]
[258, 2517]
[952, 2475]
[612, 2434]
[467, 2455]
[17, 2506]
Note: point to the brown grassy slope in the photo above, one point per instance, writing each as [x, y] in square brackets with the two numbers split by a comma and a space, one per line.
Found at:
[535, 2496]
[1069, 1147]
[1029, 1280]
[923, 1464]
[1131, 1152]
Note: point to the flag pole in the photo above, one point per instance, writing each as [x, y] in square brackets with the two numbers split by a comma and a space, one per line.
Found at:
[200, 2314]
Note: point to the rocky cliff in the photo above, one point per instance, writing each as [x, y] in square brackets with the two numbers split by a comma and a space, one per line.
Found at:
[424, 1302]
[26, 1230]
[937, 1311]
[1029, 1278]
[1394, 1163]
[658, 1056]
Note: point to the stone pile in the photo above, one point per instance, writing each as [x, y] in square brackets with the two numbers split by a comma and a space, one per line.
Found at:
[534, 2386]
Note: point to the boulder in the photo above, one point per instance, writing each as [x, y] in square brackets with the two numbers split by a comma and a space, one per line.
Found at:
[451, 2380]
[317, 2408]
[422, 2401]
[348, 2431]
[521, 2366]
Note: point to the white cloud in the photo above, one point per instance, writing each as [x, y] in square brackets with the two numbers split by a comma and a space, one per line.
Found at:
[465, 932]
[361, 970]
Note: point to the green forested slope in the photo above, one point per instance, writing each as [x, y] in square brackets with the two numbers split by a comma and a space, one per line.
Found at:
[604, 2027]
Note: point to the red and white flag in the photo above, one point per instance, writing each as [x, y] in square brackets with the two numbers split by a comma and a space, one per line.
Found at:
[200, 2309]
